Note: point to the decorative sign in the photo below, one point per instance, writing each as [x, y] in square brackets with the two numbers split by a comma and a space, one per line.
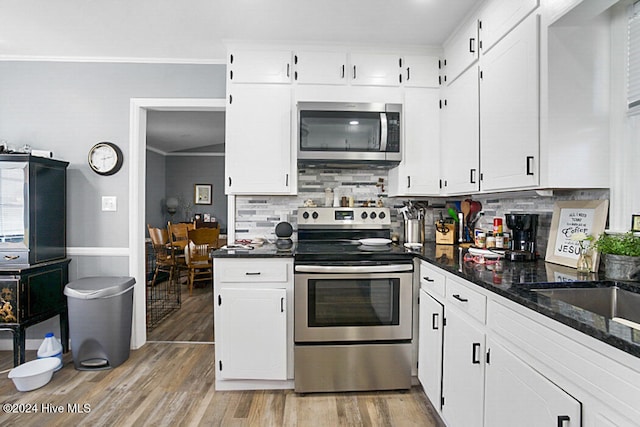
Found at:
[586, 217]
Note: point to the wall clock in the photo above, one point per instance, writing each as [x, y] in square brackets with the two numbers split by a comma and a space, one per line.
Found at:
[105, 158]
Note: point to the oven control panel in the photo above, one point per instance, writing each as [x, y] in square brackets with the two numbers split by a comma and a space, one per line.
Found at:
[344, 216]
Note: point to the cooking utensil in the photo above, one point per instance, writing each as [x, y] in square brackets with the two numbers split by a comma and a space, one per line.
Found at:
[453, 214]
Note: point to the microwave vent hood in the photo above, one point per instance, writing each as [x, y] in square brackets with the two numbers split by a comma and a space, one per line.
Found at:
[347, 164]
[341, 135]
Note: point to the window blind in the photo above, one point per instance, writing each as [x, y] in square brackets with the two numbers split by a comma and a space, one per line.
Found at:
[633, 70]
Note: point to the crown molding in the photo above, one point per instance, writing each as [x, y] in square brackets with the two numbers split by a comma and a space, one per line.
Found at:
[184, 154]
[185, 61]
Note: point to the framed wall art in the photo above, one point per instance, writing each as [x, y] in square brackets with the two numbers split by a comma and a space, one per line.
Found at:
[202, 194]
[635, 223]
[571, 217]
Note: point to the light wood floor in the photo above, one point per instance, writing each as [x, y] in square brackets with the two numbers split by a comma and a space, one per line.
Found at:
[172, 383]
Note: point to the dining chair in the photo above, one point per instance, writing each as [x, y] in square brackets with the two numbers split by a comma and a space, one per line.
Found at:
[164, 258]
[198, 255]
[178, 239]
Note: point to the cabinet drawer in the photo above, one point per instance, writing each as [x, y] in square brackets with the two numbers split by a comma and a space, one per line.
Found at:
[431, 279]
[467, 300]
[252, 270]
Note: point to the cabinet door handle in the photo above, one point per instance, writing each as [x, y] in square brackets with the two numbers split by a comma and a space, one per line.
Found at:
[408, 73]
[288, 67]
[249, 273]
[342, 75]
[286, 180]
[459, 298]
[230, 74]
[428, 279]
[354, 72]
[408, 181]
[11, 257]
[434, 321]
[529, 165]
[229, 181]
[282, 305]
[562, 419]
[475, 353]
[472, 42]
[472, 176]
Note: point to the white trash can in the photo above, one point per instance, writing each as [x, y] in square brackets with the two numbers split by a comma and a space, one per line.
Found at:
[100, 317]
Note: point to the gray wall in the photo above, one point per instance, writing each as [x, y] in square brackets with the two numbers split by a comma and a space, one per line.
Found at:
[67, 107]
[155, 189]
[184, 172]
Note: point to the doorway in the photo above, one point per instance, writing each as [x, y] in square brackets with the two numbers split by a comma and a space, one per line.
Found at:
[139, 109]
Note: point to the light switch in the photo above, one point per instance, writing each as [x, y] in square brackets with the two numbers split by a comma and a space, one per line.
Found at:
[109, 203]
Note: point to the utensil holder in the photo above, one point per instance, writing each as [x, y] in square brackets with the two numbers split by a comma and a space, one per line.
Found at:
[413, 231]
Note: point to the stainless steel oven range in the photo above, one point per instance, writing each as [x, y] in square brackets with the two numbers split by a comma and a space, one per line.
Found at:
[353, 302]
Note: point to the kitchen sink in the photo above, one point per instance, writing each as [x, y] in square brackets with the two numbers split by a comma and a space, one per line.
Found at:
[610, 302]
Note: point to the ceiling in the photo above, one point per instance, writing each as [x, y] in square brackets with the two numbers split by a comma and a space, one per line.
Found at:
[195, 31]
[190, 131]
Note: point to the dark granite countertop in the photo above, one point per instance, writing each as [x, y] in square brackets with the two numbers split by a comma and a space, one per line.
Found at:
[515, 281]
[267, 250]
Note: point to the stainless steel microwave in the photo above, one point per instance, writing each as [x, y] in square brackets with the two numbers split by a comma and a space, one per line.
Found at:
[334, 132]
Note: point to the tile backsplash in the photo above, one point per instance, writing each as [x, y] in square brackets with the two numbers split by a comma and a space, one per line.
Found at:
[257, 216]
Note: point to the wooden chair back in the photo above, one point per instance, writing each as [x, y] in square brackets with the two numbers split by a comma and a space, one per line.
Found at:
[198, 254]
[204, 240]
[179, 231]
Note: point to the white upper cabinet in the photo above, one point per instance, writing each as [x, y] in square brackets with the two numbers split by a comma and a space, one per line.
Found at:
[320, 67]
[509, 110]
[375, 69]
[259, 66]
[420, 71]
[460, 156]
[498, 17]
[461, 51]
[418, 173]
[258, 139]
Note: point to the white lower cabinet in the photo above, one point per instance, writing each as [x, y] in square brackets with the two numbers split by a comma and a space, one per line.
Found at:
[430, 347]
[253, 317]
[505, 365]
[517, 395]
[254, 329]
[463, 370]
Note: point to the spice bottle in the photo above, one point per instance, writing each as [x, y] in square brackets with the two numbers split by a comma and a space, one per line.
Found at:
[497, 226]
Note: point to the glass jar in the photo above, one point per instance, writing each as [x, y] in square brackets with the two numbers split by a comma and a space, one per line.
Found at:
[584, 262]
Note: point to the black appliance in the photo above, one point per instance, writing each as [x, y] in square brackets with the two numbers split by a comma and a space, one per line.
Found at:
[339, 133]
[32, 210]
[353, 302]
[523, 242]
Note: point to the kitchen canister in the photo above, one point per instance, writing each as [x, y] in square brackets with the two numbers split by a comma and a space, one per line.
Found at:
[413, 231]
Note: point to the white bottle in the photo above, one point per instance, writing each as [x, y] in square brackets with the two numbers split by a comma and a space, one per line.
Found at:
[51, 347]
[328, 197]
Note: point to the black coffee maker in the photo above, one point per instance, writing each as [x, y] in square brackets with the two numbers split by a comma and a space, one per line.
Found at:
[523, 240]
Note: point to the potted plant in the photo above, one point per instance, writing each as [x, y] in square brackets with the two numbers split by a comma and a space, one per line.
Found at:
[621, 255]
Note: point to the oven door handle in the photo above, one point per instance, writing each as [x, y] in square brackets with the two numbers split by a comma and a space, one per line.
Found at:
[393, 268]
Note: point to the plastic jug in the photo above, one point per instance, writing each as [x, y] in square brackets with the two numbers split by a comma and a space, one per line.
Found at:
[50, 347]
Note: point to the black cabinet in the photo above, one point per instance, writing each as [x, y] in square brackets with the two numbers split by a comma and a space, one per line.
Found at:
[30, 295]
[32, 209]
[33, 264]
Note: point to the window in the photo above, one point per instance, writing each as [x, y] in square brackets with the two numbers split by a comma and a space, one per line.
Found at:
[633, 70]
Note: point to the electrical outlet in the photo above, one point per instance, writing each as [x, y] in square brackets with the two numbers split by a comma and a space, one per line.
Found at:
[109, 203]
